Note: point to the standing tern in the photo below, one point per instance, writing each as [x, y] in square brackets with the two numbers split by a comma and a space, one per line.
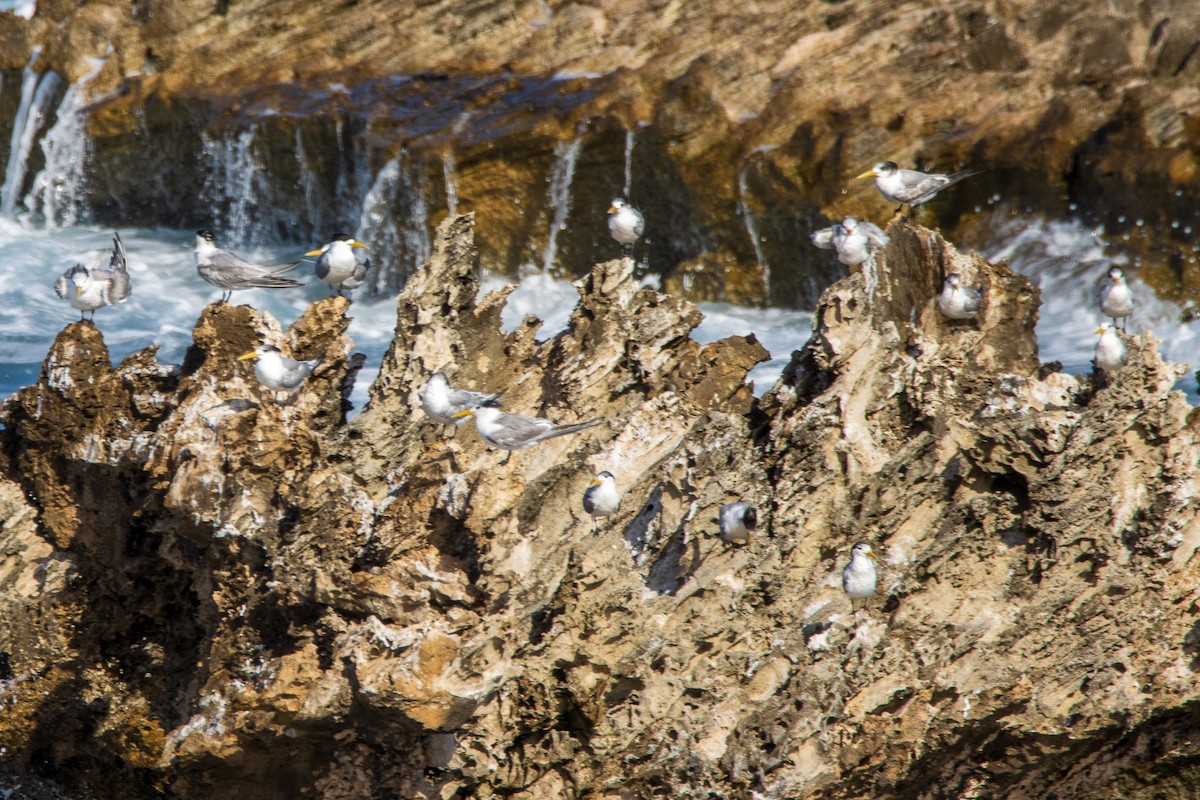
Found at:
[908, 186]
[231, 272]
[602, 498]
[853, 239]
[738, 521]
[1116, 299]
[1111, 353]
[443, 403]
[957, 301]
[625, 223]
[277, 372]
[340, 264]
[89, 288]
[859, 577]
[515, 432]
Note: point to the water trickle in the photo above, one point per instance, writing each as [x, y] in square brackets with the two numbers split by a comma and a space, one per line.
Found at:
[38, 91]
[751, 223]
[235, 185]
[310, 184]
[450, 173]
[57, 196]
[394, 222]
[562, 174]
[629, 142]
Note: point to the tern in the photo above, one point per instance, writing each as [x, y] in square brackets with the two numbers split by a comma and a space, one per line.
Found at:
[89, 288]
[1116, 299]
[443, 403]
[231, 272]
[859, 577]
[601, 498]
[515, 432]
[853, 239]
[738, 521]
[957, 301]
[1110, 354]
[277, 372]
[340, 264]
[908, 187]
[625, 223]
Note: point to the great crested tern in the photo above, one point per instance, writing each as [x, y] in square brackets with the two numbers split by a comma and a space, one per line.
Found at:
[853, 239]
[958, 301]
[908, 187]
[340, 264]
[1111, 353]
[602, 498]
[738, 521]
[277, 372]
[231, 272]
[443, 403]
[89, 288]
[1116, 299]
[516, 432]
[625, 223]
[859, 577]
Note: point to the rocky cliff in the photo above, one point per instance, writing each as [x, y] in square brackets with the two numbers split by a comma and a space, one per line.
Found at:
[208, 594]
[740, 127]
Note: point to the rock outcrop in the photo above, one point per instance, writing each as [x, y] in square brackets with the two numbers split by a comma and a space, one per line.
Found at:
[208, 594]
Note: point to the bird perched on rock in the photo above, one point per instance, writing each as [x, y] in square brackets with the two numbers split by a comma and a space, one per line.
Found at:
[341, 264]
[738, 521]
[89, 288]
[1116, 299]
[957, 301]
[853, 239]
[908, 187]
[515, 432]
[1110, 354]
[443, 403]
[602, 498]
[859, 576]
[625, 223]
[277, 372]
[231, 272]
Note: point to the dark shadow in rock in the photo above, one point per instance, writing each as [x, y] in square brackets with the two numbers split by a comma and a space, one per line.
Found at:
[637, 534]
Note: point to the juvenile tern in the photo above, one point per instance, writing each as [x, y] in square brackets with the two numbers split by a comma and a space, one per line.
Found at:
[1116, 300]
[516, 432]
[277, 372]
[957, 301]
[859, 576]
[601, 498]
[443, 403]
[231, 272]
[89, 288]
[853, 239]
[908, 186]
[625, 223]
[738, 521]
[1110, 354]
[340, 264]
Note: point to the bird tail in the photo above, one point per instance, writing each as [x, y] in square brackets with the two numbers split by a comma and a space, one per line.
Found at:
[563, 430]
[273, 282]
[282, 268]
[118, 261]
[962, 175]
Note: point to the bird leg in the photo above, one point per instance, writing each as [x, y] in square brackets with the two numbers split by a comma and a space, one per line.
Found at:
[506, 458]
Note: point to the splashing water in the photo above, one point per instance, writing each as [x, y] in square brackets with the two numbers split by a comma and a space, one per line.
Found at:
[37, 93]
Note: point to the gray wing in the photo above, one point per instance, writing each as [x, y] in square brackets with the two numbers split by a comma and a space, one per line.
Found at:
[919, 186]
[296, 372]
[974, 298]
[461, 399]
[322, 265]
[362, 264]
[116, 285]
[823, 238]
[228, 271]
[639, 227]
[873, 233]
[516, 431]
[63, 285]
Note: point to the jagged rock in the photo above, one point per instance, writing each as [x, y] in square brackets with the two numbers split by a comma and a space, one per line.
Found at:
[272, 601]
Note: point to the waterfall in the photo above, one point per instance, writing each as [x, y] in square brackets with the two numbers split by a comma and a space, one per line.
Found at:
[310, 185]
[562, 174]
[235, 187]
[752, 230]
[37, 93]
[450, 173]
[394, 222]
[629, 142]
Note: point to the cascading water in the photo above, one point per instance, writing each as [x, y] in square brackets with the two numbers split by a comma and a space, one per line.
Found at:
[38, 92]
[394, 223]
[57, 197]
[235, 186]
[629, 142]
[450, 173]
[751, 223]
[562, 174]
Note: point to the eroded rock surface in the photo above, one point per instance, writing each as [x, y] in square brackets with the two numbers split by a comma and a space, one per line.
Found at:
[226, 597]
